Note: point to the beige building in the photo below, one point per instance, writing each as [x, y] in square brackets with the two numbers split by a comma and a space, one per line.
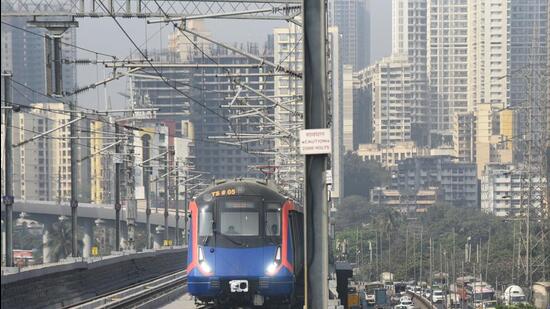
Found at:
[389, 156]
[102, 164]
[494, 136]
[414, 202]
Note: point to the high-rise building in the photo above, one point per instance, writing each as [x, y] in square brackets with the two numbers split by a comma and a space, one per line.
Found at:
[199, 108]
[352, 17]
[23, 54]
[288, 52]
[42, 168]
[336, 100]
[389, 81]
[348, 107]
[409, 39]
[507, 64]
[447, 47]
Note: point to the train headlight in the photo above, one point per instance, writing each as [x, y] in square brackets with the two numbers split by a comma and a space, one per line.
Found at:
[273, 268]
[202, 262]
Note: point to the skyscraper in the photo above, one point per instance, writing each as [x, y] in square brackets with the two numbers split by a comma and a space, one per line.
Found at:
[352, 17]
[447, 48]
[409, 39]
[288, 50]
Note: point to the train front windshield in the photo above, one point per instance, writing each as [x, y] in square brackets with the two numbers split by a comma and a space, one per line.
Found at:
[240, 222]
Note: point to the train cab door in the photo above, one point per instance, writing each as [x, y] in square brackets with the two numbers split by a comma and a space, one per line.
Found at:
[296, 225]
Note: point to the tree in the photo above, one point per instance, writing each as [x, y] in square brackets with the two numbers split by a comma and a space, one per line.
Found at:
[361, 176]
[60, 240]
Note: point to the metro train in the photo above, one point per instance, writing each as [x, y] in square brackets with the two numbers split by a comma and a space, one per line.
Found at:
[245, 246]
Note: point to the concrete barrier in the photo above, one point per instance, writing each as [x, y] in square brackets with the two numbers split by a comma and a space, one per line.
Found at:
[63, 284]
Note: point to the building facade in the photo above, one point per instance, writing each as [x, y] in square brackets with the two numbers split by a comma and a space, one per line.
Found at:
[42, 168]
[389, 156]
[457, 181]
[405, 202]
[352, 17]
[502, 190]
[390, 83]
[447, 48]
[409, 39]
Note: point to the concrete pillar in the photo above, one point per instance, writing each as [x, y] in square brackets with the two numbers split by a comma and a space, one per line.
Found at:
[3, 244]
[123, 236]
[158, 237]
[47, 226]
[87, 238]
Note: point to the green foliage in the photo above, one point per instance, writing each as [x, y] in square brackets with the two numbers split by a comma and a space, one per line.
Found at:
[402, 246]
[361, 176]
[25, 238]
[60, 240]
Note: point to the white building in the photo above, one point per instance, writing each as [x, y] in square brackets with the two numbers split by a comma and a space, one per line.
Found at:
[409, 39]
[289, 90]
[335, 79]
[501, 190]
[447, 36]
[348, 107]
[389, 81]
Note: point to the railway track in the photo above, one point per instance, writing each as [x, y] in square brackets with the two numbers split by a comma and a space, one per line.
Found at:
[138, 295]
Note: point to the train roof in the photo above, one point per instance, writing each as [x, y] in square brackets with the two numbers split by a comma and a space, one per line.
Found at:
[243, 187]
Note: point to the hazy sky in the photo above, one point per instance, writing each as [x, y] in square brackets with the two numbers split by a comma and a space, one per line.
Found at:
[103, 35]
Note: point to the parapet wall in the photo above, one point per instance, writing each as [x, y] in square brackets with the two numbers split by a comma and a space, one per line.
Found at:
[60, 285]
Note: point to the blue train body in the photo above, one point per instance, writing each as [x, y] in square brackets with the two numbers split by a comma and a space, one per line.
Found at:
[245, 246]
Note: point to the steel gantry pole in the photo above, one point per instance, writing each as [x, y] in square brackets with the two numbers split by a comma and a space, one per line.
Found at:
[8, 170]
[316, 204]
[118, 166]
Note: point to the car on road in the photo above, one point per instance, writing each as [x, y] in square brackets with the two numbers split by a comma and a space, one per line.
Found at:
[438, 296]
[403, 307]
[427, 293]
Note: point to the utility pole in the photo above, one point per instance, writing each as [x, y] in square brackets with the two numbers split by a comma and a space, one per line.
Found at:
[118, 165]
[316, 204]
[8, 170]
[177, 200]
[166, 193]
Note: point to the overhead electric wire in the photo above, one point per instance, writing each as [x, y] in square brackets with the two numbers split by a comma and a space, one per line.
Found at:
[64, 43]
[157, 71]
